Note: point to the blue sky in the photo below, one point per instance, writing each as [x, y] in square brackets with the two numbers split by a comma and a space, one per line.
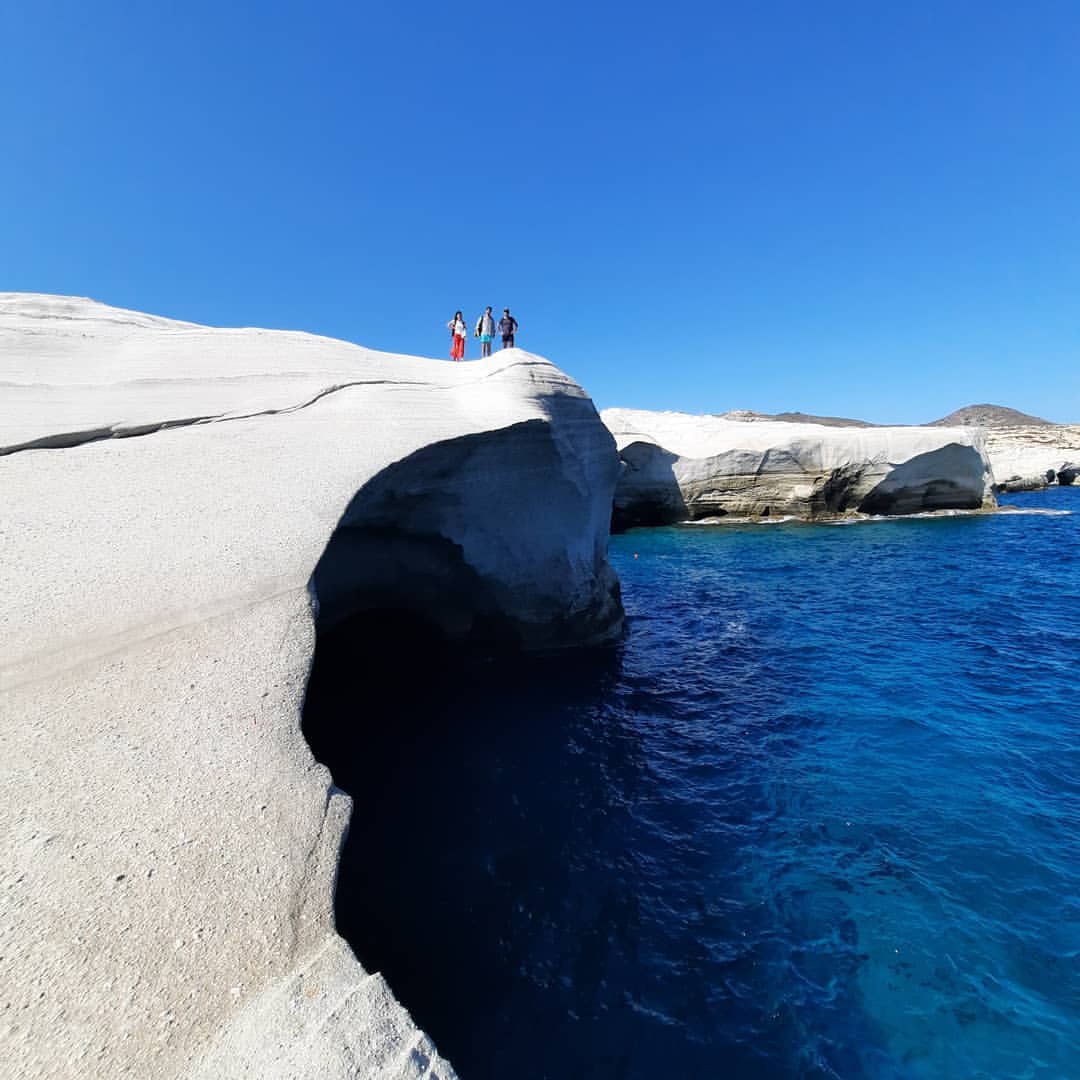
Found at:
[855, 208]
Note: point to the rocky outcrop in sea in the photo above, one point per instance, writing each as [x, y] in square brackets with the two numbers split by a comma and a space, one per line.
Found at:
[1029, 458]
[680, 467]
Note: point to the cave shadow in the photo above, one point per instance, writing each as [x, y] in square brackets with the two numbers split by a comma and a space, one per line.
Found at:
[480, 535]
[388, 553]
[647, 492]
[429, 711]
[906, 489]
[445, 748]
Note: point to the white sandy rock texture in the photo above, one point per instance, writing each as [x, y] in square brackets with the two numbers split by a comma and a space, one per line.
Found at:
[1027, 457]
[169, 846]
[679, 467]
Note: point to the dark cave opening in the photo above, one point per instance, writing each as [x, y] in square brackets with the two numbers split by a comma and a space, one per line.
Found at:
[378, 681]
[451, 754]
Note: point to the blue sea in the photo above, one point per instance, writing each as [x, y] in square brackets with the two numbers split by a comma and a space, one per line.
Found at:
[817, 816]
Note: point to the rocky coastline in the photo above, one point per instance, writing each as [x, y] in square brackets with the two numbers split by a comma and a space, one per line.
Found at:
[746, 466]
[187, 510]
[678, 467]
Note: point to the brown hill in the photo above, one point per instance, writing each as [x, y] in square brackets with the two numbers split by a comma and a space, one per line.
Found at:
[795, 418]
[828, 421]
[990, 416]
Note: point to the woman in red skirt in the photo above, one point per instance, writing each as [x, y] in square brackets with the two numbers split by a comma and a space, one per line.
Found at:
[457, 337]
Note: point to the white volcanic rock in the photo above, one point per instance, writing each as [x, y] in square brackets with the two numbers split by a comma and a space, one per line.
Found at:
[1030, 456]
[169, 844]
[677, 467]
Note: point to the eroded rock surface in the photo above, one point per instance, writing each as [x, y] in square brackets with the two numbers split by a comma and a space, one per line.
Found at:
[169, 844]
[679, 467]
[1031, 456]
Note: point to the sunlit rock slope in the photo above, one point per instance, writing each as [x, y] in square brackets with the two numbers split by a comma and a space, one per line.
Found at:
[169, 845]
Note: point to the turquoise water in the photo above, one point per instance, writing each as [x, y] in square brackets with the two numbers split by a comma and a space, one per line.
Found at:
[818, 816]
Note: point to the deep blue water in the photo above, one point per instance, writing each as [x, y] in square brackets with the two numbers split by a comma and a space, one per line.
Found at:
[818, 816]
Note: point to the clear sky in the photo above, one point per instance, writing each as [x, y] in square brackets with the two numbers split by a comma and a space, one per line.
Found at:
[847, 207]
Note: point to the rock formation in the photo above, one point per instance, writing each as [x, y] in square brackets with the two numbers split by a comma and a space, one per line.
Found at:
[170, 845]
[1027, 453]
[678, 467]
[1029, 457]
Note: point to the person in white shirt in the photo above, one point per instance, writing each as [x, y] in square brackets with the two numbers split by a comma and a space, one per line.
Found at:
[457, 337]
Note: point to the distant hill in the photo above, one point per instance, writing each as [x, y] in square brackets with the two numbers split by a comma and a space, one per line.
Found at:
[828, 421]
[987, 416]
[990, 416]
[797, 418]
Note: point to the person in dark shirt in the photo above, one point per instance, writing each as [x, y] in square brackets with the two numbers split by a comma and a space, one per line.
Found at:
[508, 327]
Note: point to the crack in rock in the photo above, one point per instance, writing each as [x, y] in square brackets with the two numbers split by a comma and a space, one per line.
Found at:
[70, 439]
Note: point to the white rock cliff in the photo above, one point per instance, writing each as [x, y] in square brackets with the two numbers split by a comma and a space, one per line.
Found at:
[169, 844]
[678, 467]
[1031, 457]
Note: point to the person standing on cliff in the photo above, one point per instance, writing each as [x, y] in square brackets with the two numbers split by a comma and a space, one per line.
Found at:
[507, 327]
[485, 331]
[457, 337]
